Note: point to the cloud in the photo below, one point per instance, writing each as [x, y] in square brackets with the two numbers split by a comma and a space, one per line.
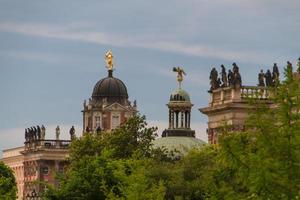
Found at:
[31, 56]
[74, 32]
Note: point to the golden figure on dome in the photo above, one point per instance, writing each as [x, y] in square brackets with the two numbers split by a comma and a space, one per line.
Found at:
[109, 60]
[180, 73]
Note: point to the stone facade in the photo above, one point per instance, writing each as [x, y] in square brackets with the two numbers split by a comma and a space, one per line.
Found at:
[36, 161]
[15, 160]
[230, 106]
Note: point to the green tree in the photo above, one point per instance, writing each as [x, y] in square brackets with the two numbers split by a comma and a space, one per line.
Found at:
[99, 162]
[263, 161]
[8, 186]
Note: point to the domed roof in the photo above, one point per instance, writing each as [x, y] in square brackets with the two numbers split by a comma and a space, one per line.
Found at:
[180, 95]
[110, 87]
[182, 145]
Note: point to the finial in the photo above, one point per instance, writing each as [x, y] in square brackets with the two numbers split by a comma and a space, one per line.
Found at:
[180, 73]
[109, 60]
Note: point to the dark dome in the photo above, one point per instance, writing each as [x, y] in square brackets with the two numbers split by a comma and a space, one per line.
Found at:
[111, 88]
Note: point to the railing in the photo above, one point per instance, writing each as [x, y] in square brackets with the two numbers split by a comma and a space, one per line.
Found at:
[47, 144]
[256, 92]
[230, 94]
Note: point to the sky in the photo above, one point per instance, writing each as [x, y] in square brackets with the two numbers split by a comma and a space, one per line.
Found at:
[52, 54]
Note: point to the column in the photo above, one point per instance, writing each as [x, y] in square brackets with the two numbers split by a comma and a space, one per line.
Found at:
[185, 119]
[170, 119]
[189, 119]
[176, 119]
[182, 119]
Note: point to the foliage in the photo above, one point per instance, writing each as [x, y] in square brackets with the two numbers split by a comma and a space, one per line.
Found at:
[8, 188]
[263, 161]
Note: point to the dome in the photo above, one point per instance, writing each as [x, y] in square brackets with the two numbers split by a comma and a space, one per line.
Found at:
[182, 145]
[111, 88]
[180, 95]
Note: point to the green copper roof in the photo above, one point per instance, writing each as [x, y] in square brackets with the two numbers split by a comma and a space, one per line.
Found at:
[180, 95]
[182, 144]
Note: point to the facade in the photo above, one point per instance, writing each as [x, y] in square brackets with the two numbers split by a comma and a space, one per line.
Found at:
[15, 160]
[230, 106]
[36, 161]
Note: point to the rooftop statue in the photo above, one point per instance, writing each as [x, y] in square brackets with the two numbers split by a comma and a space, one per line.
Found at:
[289, 67]
[275, 74]
[268, 77]
[109, 60]
[237, 79]
[224, 76]
[214, 81]
[180, 73]
[230, 78]
[72, 133]
[43, 132]
[57, 132]
[261, 78]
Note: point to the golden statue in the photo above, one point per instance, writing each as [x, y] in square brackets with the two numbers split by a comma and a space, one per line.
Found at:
[109, 60]
[180, 73]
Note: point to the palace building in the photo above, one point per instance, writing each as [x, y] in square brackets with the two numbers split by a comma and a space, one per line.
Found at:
[40, 159]
[109, 105]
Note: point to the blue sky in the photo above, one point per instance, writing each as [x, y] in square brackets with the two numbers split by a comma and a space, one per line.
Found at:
[52, 53]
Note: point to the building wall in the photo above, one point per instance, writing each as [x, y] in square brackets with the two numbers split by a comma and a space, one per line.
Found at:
[14, 159]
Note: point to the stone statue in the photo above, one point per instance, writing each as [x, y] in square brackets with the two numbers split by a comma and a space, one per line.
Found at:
[30, 134]
[26, 135]
[98, 130]
[261, 77]
[289, 67]
[134, 103]
[34, 133]
[38, 132]
[230, 78]
[57, 132]
[180, 73]
[109, 60]
[268, 78]
[275, 74]
[219, 83]
[72, 133]
[235, 68]
[43, 132]
[237, 79]
[224, 76]
[87, 129]
[213, 79]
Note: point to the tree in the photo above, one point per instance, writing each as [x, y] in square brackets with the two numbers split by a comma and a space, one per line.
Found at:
[99, 162]
[8, 186]
[263, 161]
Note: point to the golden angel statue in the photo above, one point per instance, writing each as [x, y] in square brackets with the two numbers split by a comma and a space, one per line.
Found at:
[180, 73]
[109, 60]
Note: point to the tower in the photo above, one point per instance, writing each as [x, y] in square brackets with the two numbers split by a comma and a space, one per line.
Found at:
[179, 136]
[109, 105]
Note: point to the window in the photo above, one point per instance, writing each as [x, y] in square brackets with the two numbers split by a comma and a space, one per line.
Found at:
[45, 170]
[115, 121]
[97, 122]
